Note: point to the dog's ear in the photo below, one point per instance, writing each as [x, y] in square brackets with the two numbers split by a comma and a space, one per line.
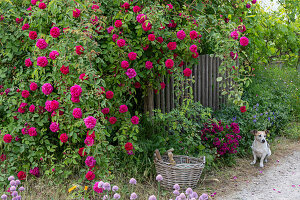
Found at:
[253, 132]
[267, 132]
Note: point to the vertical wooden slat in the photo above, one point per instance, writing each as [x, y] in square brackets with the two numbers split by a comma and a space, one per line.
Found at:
[218, 86]
[207, 58]
[214, 73]
[181, 89]
[157, 96]
[210, 95]
[162, 99]
[168, 107]
[199, 79]
[194, 74]
[172, 93]
[203, 80]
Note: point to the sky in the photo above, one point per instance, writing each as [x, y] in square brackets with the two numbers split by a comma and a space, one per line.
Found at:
[268, 4]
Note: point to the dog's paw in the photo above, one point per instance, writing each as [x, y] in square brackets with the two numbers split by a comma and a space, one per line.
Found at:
[261, 165]
[266, 160]
[252, 163]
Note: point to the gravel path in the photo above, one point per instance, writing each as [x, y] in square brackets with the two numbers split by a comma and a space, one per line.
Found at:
[280, 182]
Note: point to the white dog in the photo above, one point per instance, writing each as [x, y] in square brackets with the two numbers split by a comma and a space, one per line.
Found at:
[260, 147]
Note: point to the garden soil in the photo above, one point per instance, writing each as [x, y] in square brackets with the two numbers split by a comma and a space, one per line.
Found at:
[278, 180]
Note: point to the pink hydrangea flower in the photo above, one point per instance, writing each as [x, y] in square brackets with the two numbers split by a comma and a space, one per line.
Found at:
[121, 43]
[132, 56]
[193, 48]
[28, 62]
[149, 65]
[123, 109]
[76, 91]
[77, 113]
[54, 127]
[55, 32]
[90, 122]
[124, 64]
[181, 35]
[53, 55]
[47, 88]
[42, 61]
[41, 44]
[131, 73]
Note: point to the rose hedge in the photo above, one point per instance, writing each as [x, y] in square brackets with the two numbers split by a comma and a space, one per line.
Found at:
[74, 67]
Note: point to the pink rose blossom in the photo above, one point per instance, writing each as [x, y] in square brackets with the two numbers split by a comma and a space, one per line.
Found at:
[47, 88]
[234, 35]
[193, 35]
[147, 26]
[118, 23]
[55, 32]
[136, 9]
[77, 113]
[42, 61]
[41, 44]
[131, 73]
[90, 122]
[53, 55]
[76, 13]
[169, 63]
[54, 127]
[149, 65]
[121, 43]
[181, 35]
[31, 108]
[25, 94]
[193, 48]
[123, 109]
[132, 56]
[135, 120]
[124, 64]
[32, 131]
[141, 18]
[76, 91]
[28, 62]
[109, 29]
[33, 86]
[244, 41]
[25, 27]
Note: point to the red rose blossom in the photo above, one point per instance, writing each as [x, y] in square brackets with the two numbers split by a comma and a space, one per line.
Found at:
[7, 138]
[25, 94]
[124, 64]
[32, 35]
[243, 109]
[118, 23]
[172, 45]
[76, 13]
[105, 111]
[79, 50]
[90, 176]
[128, 146]
[151, 37]
[80, 151]
[187, 72]
[169, 63]
[42, 5]
[21, 175]
[112, 120]
[132, 56]
[55, 32]
[63, 138]
[109, 94]
[64, 70]
[135, 120]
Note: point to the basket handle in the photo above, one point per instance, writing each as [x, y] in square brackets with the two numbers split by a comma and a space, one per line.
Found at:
[170, 155]
[157, 153]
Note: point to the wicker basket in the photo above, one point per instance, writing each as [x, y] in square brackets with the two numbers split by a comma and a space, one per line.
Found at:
[185, 171]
